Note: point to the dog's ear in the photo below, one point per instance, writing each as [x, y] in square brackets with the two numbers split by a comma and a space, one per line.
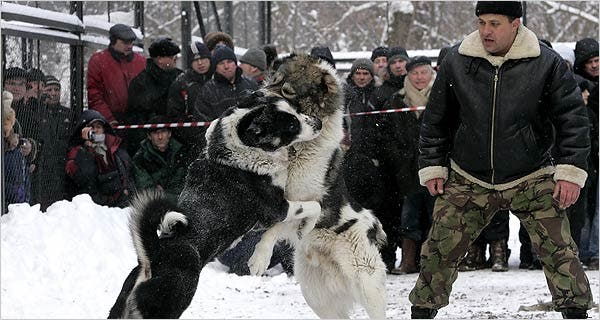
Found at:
[329, 83]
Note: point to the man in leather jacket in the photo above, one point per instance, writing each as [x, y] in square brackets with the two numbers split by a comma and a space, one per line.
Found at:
[499, 104]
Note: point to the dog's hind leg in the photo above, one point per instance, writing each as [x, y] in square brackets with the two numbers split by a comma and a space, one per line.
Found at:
[372, 293]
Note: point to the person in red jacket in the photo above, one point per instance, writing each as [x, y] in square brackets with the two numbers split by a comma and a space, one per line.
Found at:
[109, 73]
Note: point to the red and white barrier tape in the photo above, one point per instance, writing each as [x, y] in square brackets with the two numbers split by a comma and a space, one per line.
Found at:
[206, 124]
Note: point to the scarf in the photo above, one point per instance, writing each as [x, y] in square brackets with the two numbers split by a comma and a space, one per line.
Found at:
[414, 97]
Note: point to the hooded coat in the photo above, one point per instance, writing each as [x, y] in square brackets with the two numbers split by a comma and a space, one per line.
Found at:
[107, 182]
[525, 103]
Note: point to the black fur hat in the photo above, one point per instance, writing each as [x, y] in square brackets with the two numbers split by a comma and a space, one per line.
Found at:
[323, 52]
[584, 50]
[507, 8]
[163, 47]
[379, 52]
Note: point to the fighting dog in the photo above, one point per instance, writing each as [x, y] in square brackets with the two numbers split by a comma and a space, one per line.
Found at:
[337, 264]
[238, 184]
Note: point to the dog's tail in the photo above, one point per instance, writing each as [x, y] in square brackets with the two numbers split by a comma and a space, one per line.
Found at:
[153, 212]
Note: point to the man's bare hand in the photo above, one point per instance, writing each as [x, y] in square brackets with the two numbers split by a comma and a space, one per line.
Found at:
[435, 186]
[566, 193]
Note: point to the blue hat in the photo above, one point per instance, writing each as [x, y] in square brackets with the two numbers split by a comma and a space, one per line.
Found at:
[223, 53]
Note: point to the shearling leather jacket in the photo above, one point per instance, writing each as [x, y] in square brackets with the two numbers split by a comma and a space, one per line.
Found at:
[496, 119]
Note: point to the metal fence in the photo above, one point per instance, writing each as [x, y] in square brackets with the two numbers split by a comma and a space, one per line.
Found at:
[54, 39]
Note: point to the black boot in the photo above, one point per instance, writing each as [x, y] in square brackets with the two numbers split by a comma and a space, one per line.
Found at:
[422, 313]
[574, 313]
[474, 260]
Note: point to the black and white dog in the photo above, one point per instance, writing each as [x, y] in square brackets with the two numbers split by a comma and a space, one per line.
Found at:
[237, 184]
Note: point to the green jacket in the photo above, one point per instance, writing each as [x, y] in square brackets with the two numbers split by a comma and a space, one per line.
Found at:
[150, 168]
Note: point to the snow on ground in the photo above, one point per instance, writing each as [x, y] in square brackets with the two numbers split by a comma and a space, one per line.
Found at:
[70, 262]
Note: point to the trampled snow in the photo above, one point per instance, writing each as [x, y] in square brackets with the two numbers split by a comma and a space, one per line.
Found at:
[70, 262]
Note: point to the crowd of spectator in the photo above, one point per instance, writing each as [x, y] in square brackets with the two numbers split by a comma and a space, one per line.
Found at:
[44, 141]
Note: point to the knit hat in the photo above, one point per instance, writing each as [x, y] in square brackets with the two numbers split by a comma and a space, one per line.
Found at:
[417, 61]
[566, 53]
[255, 57]
[34, 74]
[397, 53]
[362, 63]
[51, 80]
[323, 52]
[199, 50]
[123, 32]
[379, 52]
[584, 50]
[507, 8]
[211, 39]
[223, 53]
[156, 120]
[163, 47]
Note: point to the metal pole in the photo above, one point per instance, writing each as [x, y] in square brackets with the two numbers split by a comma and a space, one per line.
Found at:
[199, 17]
[261, 23]
[186, 33]
[228, 15]
[138, 16]
[77, 66]
[525, 13]
[268, 22]
[216, 14]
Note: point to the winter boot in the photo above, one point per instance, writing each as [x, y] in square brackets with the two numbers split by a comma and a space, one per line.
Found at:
[409, 258]
[574, 313]
[474, 260]
[422, 313]
[499, 255]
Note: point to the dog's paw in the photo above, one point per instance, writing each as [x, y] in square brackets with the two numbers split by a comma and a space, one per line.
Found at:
[309, 209]
[259, 261]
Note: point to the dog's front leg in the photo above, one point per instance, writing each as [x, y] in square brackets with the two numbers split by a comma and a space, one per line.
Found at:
[297, 210]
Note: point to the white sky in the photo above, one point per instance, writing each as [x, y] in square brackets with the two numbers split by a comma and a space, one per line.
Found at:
[70, 262]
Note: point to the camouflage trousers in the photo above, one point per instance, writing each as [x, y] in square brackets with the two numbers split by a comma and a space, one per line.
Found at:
[466, 208]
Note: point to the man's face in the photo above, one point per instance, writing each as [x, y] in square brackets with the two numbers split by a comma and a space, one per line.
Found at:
[398, 67]
[16, 86]
[420, 76]
[201, 66]
[166, 62]
[53, 94]
[591, 67]
[361, 78]
[160, 139]
[248, 69]
[34, 89]
[497, 33]
[379, 65]
[124, 46]
[227, 68]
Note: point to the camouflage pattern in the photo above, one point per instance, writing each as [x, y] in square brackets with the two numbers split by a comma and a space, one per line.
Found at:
[466, 208]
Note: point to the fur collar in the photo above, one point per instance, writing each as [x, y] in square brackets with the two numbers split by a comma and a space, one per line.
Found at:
[526, 45]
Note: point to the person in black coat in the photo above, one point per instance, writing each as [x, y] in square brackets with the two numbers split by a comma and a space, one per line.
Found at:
[97, 164]
[183, 94]
[148, 92]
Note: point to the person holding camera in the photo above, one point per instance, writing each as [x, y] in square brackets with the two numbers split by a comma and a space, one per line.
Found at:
[96, 163]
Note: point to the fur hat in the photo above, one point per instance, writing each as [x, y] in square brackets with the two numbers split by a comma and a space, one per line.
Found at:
[418, 61]
[255, 57]
[163, 47]
[362, 63]
[199, 50]
[121, 31]
[323, 52]
[566, 53]
[584, 50]
[223, 53]
[379, 52]
[211, 40]
[397, 53]
[507, 8]
[51, 80]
